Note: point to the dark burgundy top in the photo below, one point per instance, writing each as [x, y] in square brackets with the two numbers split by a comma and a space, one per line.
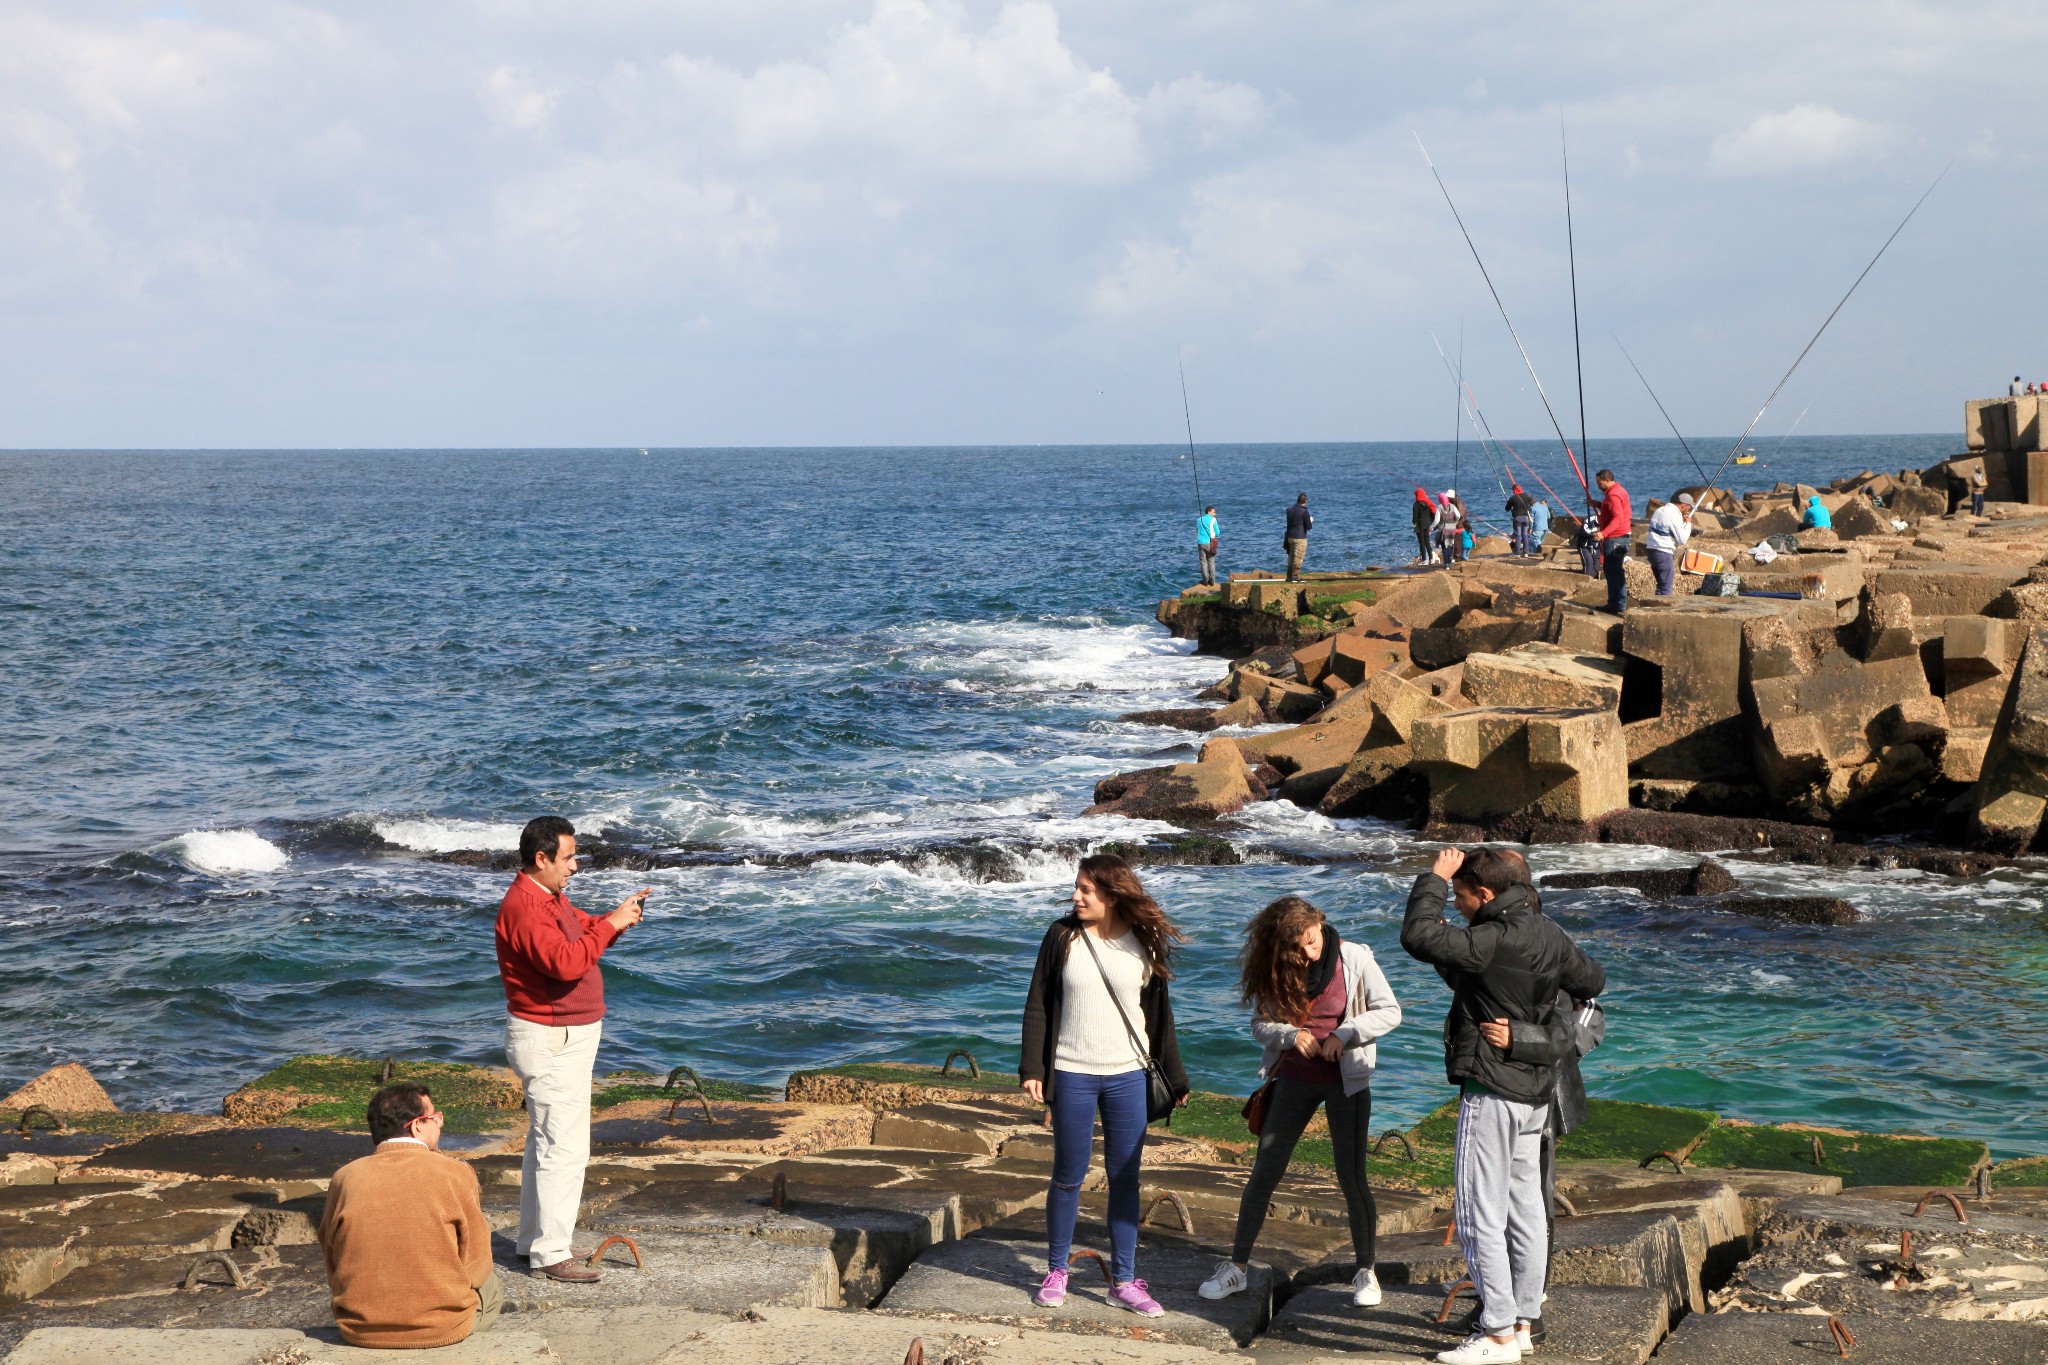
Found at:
[1325, 1015]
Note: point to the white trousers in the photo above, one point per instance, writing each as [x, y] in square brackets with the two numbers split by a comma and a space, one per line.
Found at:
[554, 1063]
[1497, 1200]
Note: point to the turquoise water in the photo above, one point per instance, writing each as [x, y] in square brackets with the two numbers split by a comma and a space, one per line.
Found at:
[252, 692]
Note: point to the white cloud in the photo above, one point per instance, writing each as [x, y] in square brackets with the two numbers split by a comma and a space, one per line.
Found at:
[515, 100]
[1804, 136]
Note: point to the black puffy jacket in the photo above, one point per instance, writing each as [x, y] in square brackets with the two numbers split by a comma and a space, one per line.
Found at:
[1509, 963]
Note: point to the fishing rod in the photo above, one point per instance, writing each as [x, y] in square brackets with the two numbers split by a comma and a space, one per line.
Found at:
[1794, 427]
[1486, 434]
[1572, 256]
[1555, 425]
[1194, 465]
[1660, 407]
[1457, 406]
[1458, 379]
[1737, 447]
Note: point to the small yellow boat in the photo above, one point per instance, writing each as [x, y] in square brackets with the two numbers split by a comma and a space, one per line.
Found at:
[1745, 459]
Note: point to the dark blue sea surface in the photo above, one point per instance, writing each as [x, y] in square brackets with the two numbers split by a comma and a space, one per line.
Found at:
[249, 693]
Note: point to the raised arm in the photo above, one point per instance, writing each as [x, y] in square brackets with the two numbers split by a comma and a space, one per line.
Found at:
[1427, 938]
[538, 939]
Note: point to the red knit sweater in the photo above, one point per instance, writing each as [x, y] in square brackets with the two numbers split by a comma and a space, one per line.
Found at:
[1615, 516]
[547, 956]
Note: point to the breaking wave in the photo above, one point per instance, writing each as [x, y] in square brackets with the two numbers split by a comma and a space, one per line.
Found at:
[223, 852]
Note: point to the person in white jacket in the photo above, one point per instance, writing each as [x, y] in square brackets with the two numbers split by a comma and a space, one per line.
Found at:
[1670, 528]
[1318, 1006]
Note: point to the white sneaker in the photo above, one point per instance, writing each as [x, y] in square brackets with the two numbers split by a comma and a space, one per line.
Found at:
[1227, 1280]
[1481, 1349]
[1523, 1340]
[1365, 1290]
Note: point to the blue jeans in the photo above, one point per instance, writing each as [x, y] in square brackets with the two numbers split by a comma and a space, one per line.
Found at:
[1075, 1099]
[1613, 563]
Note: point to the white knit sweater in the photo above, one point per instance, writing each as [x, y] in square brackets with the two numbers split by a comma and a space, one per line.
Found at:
[1093, 1040]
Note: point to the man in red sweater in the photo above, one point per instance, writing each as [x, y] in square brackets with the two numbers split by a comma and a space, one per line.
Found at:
[1615, 521]
[554, 1002]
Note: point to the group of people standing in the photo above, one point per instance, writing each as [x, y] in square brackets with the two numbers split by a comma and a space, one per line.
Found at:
[1099, 1042]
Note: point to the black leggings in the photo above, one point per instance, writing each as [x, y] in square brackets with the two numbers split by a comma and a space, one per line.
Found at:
[1422, 539]
[1294, 1104]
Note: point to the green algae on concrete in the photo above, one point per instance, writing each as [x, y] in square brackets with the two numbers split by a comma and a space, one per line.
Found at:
[2020, 1173]
[1858, 1158]
[322, 1091]
[622, 1087]
[1621, 1130]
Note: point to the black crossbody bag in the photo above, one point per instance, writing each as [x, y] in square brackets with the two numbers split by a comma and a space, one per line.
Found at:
[1160, 1098]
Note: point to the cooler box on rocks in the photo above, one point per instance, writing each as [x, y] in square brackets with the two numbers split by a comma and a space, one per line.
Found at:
[1699, 561]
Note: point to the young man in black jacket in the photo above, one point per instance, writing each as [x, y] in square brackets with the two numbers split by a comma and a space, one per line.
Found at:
[1505, 965]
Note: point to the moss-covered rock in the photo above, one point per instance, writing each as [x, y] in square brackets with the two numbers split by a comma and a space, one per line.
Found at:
[1858, 1158]
[622, 1087]
[319, 1091]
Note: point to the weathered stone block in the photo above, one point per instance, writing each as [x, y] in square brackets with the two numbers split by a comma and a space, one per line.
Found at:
[1401, 703]
[1428, 599]
[1281, 597]
[68, 1089]
[1558, 764]
[1539, 674]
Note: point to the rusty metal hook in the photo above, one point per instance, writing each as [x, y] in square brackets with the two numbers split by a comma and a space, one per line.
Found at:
[57, 1124]
[1820, 1153]
[695, 1079]
[1953, 1202]
[1840, 1332]
[614, 1240]
[1905, 1246]
[1450, 1231]
[1095, 1256]
[1984, 1183]
[1677, 1161]
[1180, 1206]
[1444, 1314]
[1571, 1209]
[681, 1100]
[1407, 1146]
[915, 1355]
[973, 1067]
[778, 1192]
[220, 1258]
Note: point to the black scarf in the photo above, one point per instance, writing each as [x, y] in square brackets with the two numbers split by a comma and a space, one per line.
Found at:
[1324, 968]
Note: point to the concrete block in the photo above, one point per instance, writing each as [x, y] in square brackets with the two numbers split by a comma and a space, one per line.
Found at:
[157, 1346]
[707, 1274]
[1948, 589]
[1541, 674]
[249, 1153]
[1639, 1250]
[987, 1278]
[1280, 597]
[1611, 1326]
[1400, 703]
[1802, 1338]
[1428, 599]
[1488, 763]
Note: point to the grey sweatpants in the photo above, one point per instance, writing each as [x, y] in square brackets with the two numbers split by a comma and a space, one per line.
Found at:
[1498, 1205]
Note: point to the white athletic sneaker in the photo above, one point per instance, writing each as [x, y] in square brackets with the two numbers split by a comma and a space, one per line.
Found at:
[1522, 1339]
[1227, 1280]
[1365, 1290]
[1481, 1349]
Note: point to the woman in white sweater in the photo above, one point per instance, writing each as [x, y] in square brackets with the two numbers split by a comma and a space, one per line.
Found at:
[1318, 1005]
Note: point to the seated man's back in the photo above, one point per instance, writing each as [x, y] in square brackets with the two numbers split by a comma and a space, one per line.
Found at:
[408, 1247]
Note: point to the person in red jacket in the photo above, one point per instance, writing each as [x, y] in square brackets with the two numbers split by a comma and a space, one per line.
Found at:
[1615, 521]
[554, 1003]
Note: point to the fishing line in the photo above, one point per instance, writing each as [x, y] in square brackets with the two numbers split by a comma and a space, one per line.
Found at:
[1733, 450]
[1660, 407]
[1194, 465]
[1572, 256]
[1555, 425]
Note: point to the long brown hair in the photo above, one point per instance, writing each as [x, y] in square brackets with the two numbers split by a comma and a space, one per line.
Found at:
[1274, 981]
[1127, 897]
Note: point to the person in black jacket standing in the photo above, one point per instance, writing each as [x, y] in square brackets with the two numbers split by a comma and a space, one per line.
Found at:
[1097, 1009]
[1296, 540]
[1505, 965]
[1521, 509]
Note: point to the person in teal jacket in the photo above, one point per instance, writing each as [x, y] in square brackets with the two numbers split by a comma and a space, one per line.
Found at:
[1206, 531]
[1817, 517]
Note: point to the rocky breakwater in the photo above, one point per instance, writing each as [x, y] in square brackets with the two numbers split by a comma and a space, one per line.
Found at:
[1887, 676]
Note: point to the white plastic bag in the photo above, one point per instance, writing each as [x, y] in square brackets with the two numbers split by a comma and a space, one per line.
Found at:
[1763, 553]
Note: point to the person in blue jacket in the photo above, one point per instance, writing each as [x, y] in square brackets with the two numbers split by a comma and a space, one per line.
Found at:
[1817, 517]
[1206, 532]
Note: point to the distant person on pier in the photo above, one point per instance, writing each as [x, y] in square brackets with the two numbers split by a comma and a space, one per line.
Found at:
[407, 1245]
[1978, 485]
[2015, 389]
[1521, 510]
[1450, 511]
[1670, 528]
[1505, 964]
[1539, 525]
[1296, 540]
[1098, 1027]
[1817, 517]
[1207, 531]
[554, 1001]
[1318, 1004]
[1612, 531]
[1423, 516]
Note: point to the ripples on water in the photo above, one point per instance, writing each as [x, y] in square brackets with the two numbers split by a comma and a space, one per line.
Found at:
[254, 689]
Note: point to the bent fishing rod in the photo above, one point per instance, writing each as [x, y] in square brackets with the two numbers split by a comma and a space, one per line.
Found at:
[1555, 425]
[1572, 256]
[1697, 469]
[1194, 465]
[1737, 447]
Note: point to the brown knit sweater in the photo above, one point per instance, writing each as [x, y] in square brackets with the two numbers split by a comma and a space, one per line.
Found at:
[407, 1248]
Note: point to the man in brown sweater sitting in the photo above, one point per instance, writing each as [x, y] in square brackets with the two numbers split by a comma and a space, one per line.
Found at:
[408, 1249]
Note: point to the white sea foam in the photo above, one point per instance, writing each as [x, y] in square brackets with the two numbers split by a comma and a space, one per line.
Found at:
[436, 834]
[1057, 654]
[224, 852]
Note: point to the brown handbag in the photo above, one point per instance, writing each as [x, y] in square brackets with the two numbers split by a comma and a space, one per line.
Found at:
[1255, 1108]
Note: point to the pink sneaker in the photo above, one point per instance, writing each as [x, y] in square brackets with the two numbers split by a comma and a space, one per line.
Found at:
[1134, 1296]
[1052, 1291]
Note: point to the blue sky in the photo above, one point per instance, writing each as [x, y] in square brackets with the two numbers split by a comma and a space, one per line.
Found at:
[607, 222]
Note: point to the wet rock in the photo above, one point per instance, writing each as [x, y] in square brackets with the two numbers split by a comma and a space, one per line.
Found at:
[1793, 909]
[1705, 878]
[1213, 786]
[66, 1089]
[1196, 718]
[1485, 764]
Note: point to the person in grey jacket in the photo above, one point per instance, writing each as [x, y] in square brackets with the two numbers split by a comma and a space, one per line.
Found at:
[1319, 1004]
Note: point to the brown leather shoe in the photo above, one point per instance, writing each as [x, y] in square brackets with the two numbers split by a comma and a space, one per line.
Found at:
[570, 1272]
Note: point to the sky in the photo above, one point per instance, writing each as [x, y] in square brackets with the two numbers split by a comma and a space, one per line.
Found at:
[259, 223]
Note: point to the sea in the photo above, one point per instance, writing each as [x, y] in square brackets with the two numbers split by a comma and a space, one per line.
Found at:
[265, 708]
